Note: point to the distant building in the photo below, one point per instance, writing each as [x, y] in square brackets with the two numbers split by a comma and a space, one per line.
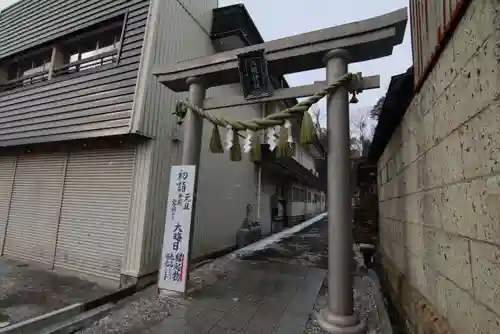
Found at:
[87, 136]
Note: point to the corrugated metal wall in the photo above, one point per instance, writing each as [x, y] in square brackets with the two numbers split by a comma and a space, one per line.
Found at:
[68, 209]
[175, 36]
[34, 208]
[94, 214]
[197, 9]
[87, 104]
[430, 21]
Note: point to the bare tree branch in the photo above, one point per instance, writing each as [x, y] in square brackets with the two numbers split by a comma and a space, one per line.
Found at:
[377, 108]
[361, 128]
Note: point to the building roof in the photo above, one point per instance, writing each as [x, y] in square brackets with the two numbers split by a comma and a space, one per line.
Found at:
[397, 100]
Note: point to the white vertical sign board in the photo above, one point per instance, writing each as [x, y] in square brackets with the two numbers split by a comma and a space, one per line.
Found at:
[177, 235]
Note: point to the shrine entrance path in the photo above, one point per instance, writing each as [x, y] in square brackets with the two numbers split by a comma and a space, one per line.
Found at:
[272, 290]
[259, 297]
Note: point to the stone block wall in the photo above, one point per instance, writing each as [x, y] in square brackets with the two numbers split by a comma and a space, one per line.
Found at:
[439, 187]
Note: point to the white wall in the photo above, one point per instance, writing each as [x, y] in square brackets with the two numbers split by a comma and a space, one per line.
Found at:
[226, 188]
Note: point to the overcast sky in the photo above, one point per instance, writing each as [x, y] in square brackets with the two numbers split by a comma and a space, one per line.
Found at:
[5, 3]
[282, 18]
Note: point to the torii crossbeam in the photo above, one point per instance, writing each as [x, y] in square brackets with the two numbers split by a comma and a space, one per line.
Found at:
[334, 47]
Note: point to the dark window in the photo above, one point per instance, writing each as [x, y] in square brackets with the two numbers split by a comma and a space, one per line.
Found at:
[92, 49]
[28, 70]
[89, 48]
[296, 194]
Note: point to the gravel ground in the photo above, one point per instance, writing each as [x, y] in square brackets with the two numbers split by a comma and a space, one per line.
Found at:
[145, 309]
[364, 302]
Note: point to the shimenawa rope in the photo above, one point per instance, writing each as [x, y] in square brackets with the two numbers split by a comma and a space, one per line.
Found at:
[285, 148]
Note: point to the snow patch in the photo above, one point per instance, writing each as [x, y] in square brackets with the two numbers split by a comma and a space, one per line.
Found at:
[275, 238]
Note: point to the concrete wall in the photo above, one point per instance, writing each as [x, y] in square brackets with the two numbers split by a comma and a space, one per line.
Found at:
[226, 188]
[268, 190]
[439, 185]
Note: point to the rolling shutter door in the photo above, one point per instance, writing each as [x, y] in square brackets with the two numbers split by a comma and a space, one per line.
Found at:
[95, 210]
[7, 165]
[34, 209]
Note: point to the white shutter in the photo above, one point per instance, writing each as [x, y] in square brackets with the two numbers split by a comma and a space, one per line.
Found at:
[95, 210]
[7, 165]
[34, 209]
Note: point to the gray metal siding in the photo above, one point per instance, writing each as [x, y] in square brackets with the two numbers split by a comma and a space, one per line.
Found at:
[197, 9]
[177, 41]
[7, 167]
[176, 37]
[34, 208]
[183, 41]
[87, 104]
[95, 211]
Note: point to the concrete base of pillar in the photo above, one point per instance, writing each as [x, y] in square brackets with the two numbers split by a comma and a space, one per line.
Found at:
[140, 282]
[338, 324]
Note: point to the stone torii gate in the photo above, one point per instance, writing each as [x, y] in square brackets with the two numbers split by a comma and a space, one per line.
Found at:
[334, 48]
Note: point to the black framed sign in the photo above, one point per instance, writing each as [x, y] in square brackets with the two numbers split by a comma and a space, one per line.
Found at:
[254, 76]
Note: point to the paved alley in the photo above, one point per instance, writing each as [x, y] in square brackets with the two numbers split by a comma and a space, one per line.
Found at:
[261, 297]
[274, 290]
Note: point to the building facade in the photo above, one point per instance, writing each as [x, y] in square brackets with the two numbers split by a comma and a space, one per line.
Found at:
[437, 149]
[87, 137]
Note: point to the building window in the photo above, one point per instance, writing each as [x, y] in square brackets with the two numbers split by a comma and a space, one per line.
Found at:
[28, 70]
[89, 48]
[95, 48]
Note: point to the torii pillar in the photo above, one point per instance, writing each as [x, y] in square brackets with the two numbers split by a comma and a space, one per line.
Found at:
[334, 48]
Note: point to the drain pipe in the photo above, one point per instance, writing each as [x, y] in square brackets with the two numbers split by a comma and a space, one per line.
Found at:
[259, 175]
[259, 190]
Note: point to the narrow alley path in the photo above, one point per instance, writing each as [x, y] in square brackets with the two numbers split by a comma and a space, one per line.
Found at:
[270, 291]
